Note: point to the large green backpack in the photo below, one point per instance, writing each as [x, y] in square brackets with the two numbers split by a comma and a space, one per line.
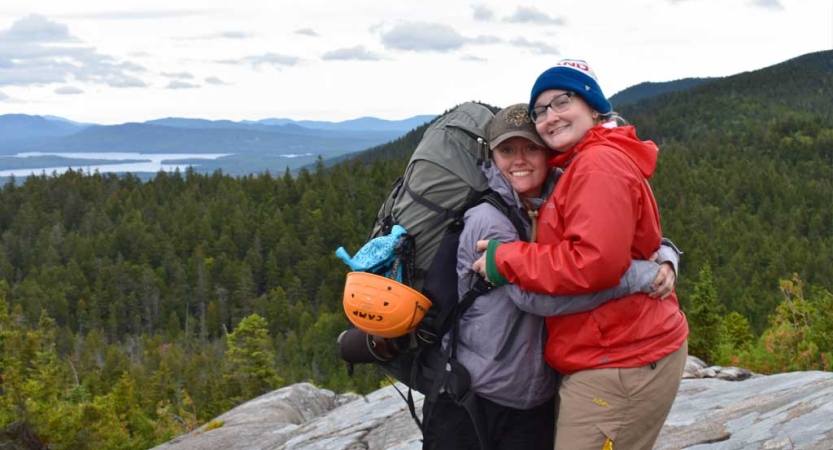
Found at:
[443, 179]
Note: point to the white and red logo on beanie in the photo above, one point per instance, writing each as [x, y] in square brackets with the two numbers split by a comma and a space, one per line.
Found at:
[578, 65]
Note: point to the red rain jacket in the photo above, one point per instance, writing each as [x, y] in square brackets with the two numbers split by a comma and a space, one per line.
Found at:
[601, 215]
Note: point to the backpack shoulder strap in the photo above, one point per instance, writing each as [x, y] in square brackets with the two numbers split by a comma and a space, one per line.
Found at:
[493, 198]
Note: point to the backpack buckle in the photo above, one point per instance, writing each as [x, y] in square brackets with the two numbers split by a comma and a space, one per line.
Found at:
[483, 285]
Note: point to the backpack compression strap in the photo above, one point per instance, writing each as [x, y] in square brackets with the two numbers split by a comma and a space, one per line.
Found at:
[443, 214]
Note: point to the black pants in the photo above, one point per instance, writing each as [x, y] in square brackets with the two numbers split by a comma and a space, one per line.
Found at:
[448, 426]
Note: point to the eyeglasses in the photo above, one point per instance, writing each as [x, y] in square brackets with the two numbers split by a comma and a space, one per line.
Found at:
[558, 104]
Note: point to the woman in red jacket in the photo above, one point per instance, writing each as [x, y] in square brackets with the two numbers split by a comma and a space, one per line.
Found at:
[623, 361]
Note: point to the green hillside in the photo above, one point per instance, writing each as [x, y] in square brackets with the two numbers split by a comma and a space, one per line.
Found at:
[132, 311]
[796, 89]
[745, 179]
[649, 89]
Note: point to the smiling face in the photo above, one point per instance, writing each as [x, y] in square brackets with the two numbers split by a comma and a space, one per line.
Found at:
[523, 163]
[562, 131]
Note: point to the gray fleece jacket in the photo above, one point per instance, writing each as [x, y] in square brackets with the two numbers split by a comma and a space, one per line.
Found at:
[500, 342]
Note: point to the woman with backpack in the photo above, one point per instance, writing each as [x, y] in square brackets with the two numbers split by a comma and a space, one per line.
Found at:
[499, 343]
[623, 360]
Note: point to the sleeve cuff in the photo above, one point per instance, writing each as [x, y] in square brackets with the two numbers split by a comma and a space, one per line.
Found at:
[492, 273]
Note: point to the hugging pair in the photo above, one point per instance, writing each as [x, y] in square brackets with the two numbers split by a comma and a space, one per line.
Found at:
[614, 329]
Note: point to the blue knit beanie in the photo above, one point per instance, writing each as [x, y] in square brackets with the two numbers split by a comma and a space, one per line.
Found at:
[576, 76]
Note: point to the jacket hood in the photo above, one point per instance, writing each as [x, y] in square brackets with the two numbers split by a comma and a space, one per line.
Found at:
[643, 153]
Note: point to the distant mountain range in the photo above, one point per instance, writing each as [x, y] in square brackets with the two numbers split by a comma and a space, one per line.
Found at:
[362, 123]
[18, 128]
[255, 146]
[21, 132]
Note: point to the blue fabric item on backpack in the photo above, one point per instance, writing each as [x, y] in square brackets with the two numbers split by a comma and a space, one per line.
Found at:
[376, 255]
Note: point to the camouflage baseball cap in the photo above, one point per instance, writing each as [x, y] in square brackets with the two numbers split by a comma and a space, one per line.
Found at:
[512, 121]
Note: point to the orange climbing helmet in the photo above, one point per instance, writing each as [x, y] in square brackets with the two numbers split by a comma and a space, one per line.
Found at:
[381, 306]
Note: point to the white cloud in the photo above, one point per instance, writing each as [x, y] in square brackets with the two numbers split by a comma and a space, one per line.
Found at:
[422, 36]
[482, 13]
[215, 81]
[124, 81]
[40, 51]
[769, 4]
[180, 75]
[177, 84]
[534, 16]
[235, 35]
[473, 58]
[376, 27]
[537, 47]
[357, 53]
[3, 96]
[35, 28]
[139, 15]
[267, 59]
[485, 40]
[220, 35]
[68, 90]
[307, 32]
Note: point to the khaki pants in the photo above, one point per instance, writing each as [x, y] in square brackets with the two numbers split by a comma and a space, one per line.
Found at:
[618, 409]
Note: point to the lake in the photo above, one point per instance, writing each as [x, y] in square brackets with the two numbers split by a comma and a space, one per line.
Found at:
[138, 162]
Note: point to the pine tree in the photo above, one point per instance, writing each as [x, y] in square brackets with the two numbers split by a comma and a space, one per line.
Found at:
[704, 314]
[250, 359]
[10, 364]
[788, 344]
[737, 339]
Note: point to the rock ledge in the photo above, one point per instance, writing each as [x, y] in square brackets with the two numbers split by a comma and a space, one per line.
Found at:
[784, 411]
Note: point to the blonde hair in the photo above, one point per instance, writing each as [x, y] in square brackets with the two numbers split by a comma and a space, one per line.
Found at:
[613, 115]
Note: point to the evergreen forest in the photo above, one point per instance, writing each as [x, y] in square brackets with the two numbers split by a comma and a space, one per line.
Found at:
[132, 311]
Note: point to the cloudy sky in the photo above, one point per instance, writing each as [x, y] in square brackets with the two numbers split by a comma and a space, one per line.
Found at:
[135, 60]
